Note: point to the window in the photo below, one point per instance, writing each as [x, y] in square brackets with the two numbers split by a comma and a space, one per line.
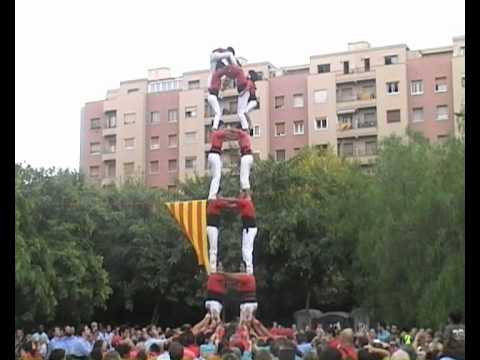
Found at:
[172, 141]
[346, 94]
[130, 91]
[417, 114]
[94, 171]
[111, 117]
[163, 85]
[298, 101]
[256, 131]
[154, 117]
[110, 169]
[393, 116]
[321, 123]
[280, 155]
[347, 149]
[129, 118]
[190, 137]
[95, 148]
[129, 143]
[296, 150]
[416, 87]
[279, 102]
[190, 162]
[442, 112]
[391, 59]
[128, 168]
[280, 129]
[366, 65]
[442, 138]
[191, 111]
[320, 96]
[154, 142]
[172, 165]
[111, 144]
[172, 188]
[298, 128]
[440, 84]
[95, 123]
[392, 87]
[463, 81]
[324, 68]
[370, 147]
[154, 167]
[256, 156]
[194, 84]
[172, 115]
[346, 67]
[462, 51]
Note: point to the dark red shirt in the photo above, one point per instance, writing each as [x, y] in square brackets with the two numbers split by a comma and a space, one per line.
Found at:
[246, 208]
[215, 206]
[245, 143]
[246, 283]
[216, 284]
[217, 138]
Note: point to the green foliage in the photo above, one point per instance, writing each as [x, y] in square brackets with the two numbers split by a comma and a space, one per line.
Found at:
[331, 236]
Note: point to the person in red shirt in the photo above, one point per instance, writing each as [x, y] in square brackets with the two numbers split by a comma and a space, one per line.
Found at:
[214, 209]
[216, 291]
[246, 160]
[245, 206]
[214, 158]
[247, 101]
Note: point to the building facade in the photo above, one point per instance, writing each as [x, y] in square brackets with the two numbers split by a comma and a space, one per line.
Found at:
[157, 129]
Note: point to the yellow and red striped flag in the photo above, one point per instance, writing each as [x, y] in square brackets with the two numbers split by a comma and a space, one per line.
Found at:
[192, 218]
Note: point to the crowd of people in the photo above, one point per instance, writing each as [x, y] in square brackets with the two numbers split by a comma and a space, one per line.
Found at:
[212, 339]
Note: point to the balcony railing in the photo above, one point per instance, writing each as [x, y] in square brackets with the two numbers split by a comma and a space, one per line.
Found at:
[356, 124]
[363, 96]
[359, 152]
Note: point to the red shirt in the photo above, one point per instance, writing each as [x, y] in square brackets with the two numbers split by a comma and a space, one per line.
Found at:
[245, 143]
[195, 349]
[217, 138]
[215, 206]
[246, 283]
[188, 353]
[216, 283]
[246, 207]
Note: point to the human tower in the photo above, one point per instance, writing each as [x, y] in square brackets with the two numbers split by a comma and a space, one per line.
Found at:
[224, 65]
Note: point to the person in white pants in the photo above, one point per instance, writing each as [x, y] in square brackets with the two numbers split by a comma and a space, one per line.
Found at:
[246, 160]
[219, 58]
[247, 101]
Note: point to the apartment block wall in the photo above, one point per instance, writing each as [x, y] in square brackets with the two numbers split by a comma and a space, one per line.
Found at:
[287, 86]
[162, 103]
[427, 68]
[458, 77]
[91, 110]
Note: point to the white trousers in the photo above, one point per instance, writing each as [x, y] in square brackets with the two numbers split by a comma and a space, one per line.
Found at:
[214, 307]
[246, 163]
[217, 107]
[212, 233]
[247, 310]
[215, 165]
[248, 239]
[217, 56]
[244, 107]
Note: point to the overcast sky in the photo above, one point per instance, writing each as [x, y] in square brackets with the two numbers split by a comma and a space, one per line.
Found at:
[69, 52]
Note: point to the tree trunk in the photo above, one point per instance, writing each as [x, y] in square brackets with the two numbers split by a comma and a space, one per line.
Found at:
[155, 314]
[307, 301]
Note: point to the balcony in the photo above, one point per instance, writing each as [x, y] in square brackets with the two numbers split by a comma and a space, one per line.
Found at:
[109, 131]
[364, 155]
[356, 74]
[357, 100]
[353, 125]
[108, 181]
[108, 154]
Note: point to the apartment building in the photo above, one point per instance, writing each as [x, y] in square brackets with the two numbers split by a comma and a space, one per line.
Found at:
[157, 129]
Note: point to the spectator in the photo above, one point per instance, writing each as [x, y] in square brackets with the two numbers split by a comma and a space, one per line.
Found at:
[330, 354]
[124, 350]
[29, 352]
[112, 355]
[454, 337]
[383, 334]
[19, 341]
[176, 351]
[57, 354]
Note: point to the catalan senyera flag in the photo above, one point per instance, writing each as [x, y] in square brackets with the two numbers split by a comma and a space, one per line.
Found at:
[192, 218]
